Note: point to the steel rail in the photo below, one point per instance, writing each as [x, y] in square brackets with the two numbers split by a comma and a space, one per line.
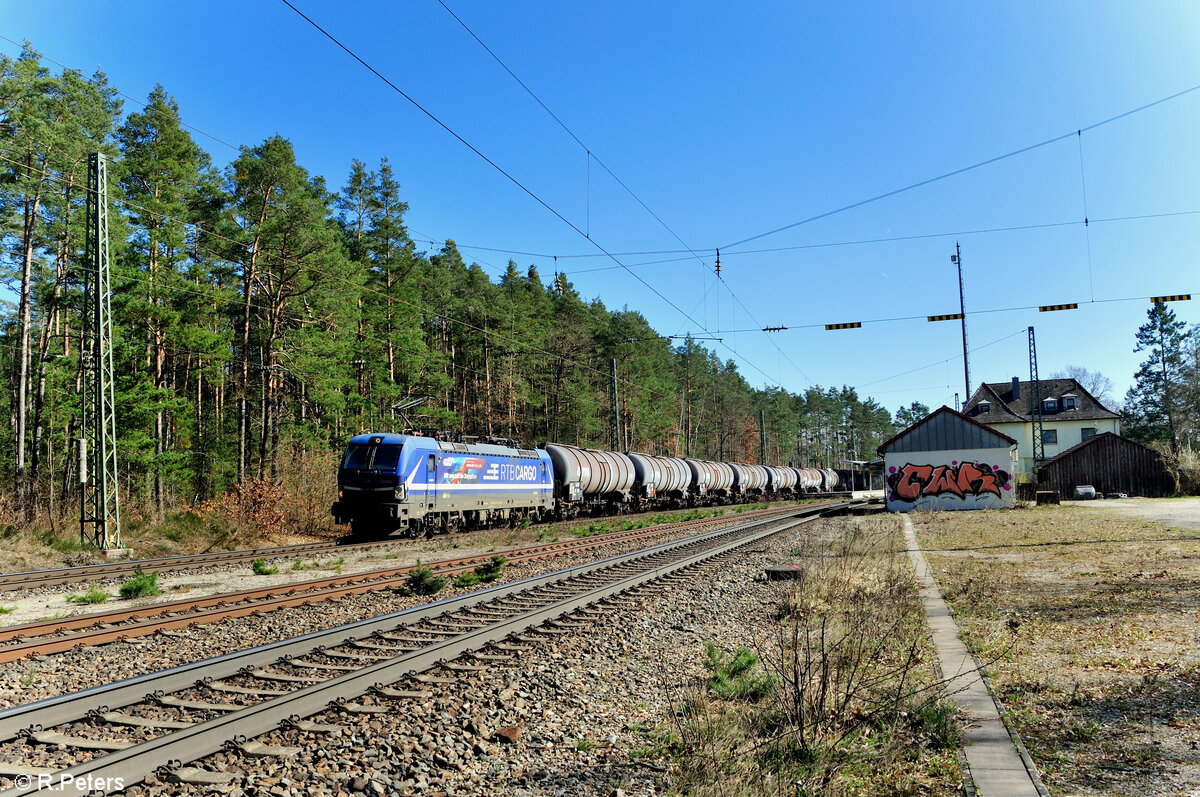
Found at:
[101, 627]
[32, 579]
[73, 706]
[51, 577]
[171, 750]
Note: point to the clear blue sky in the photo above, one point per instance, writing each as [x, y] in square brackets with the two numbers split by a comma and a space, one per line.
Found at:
[730, 120]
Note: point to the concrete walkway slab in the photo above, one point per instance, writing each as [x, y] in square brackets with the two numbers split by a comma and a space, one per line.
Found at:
[998, 763]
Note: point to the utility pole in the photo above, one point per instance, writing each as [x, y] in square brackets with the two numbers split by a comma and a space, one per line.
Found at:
[962, 311]
[100, 513]
[614, 418]
[1035, 398]
[762, 438]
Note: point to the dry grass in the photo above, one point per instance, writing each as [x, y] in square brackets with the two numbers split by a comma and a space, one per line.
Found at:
[1093, 618]
[838, 697]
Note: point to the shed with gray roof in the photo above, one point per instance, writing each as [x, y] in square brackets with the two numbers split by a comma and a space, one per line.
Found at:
[949, 461]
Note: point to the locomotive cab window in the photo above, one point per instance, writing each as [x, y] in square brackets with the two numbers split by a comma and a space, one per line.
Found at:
[371, 456]
[432, 465]
[386, 457]
[356, 456]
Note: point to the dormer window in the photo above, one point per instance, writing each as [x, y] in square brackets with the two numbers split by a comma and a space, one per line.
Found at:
[984, 406]
[1069, 402]
[1049, 405]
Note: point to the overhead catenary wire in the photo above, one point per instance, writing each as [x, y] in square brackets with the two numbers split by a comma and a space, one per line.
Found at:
[123, 95]
[956, 356]
[238, 301]
[830, 244]
[963, 170]
[923, 316]
[997, 309]
[206, 293]
[591, 155]
[1087, 233]
[1078, 133]
[511, 178]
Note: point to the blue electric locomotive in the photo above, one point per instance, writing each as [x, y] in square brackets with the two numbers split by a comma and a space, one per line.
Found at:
[393, 482]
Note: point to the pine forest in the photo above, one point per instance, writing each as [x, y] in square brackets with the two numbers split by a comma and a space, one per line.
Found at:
[262, 315]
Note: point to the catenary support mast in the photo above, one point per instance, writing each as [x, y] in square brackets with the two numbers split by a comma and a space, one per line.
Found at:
[100, 513]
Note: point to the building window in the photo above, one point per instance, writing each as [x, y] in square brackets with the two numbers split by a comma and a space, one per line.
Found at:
[1086, 432]
[1049, 437]
[985, 406]
[1049, 405]
[1069, 403]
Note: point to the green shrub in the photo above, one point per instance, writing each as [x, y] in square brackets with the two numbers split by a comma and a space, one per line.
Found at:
[492, 569]
[61, 544]
[7, 609]
[142, 585]
[93, 595]
[260, 567]
[467, 579]
[935, 720]
[733, 676]
[422, 581]
[591, 530]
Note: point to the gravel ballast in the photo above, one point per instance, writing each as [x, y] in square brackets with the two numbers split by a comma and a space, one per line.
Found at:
[577, 714]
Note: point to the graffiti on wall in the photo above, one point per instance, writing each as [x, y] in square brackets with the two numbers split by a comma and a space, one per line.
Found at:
[961, 479]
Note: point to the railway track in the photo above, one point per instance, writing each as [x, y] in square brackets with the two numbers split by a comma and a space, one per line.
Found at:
[58, 635]
[62, 576]
[110, 737]
[106, 571]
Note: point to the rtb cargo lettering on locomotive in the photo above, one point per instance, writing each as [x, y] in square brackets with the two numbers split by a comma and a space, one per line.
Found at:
[518, 473]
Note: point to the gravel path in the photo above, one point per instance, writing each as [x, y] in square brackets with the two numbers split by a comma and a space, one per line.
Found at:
[583, 708]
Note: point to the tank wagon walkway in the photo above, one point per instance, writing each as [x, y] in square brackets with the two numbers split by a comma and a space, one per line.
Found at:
[998, 763]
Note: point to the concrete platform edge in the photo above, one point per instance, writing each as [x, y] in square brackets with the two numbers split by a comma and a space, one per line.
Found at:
[972, 785]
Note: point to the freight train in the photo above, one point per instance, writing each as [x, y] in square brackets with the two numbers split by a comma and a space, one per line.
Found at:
[427, 484]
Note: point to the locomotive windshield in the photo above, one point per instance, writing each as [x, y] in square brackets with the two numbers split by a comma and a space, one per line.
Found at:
[367, 456]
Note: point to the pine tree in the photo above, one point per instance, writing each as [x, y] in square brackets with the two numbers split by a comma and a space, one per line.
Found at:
[1152, 404]
[159, 174]
[51, 125]
[907, 416]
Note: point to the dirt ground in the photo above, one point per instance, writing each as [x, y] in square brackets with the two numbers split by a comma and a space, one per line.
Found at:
[1087, 619]
[1176, 512]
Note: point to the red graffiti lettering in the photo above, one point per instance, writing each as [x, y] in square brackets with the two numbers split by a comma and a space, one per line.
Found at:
[971, 479]
[965, 479]
[912, 479]
[943, 481]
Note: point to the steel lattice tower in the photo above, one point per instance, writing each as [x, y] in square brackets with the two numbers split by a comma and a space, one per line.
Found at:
[100, 514]
[1035, 405]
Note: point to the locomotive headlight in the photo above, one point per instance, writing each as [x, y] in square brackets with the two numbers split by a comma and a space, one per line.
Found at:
[400, 492]
[341, 493]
